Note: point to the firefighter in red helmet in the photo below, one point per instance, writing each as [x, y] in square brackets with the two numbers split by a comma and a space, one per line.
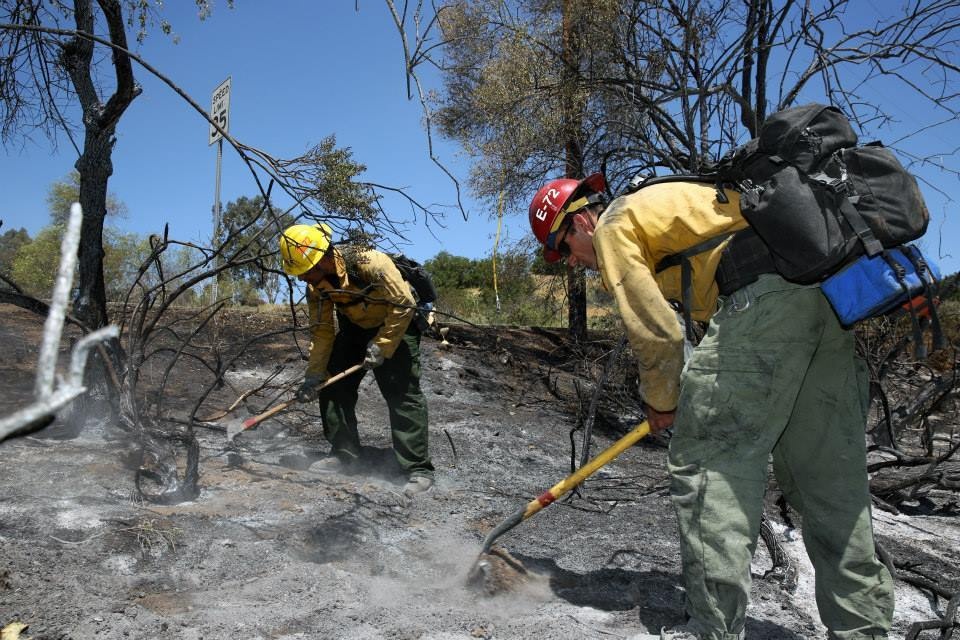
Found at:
[774, 378]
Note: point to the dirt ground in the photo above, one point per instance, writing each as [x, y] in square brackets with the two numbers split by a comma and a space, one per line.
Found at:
[269, 550]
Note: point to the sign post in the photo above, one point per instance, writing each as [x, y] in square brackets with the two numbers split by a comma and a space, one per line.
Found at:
[219, 113]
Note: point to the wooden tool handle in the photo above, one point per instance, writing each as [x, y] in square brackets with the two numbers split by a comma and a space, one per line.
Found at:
[250, 422]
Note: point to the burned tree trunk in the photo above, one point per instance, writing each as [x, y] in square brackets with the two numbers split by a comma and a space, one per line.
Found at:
[94, 164]
[95, 169]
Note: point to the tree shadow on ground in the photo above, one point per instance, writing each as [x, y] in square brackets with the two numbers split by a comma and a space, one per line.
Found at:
[657, 596]
[341, 536]
[381, 463]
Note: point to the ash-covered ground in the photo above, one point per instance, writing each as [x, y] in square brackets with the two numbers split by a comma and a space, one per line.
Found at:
[270, 550]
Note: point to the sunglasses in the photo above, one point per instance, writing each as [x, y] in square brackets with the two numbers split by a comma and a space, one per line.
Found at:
[562, 247]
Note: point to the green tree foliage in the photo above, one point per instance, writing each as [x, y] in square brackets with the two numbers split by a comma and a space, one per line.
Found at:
[502, 98]
[456, 272]
[35, 265]
[518, 99]
[10, 243]
[544, 268]
[63, 193]
[123, 254]
[332, 173]
[465, 289]
[35, 262]
[248, 232]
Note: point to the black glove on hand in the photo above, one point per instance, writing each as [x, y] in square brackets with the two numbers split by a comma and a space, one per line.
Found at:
[310, 387]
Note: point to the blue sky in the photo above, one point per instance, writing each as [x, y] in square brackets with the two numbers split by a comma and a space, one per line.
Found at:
[302, 70]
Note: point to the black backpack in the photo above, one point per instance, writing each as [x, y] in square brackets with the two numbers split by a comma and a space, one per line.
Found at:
[424, 291]
[418, 277]
[816, 199]
[422, 285]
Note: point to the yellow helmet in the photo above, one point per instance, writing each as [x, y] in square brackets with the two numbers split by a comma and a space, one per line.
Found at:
[302, 246]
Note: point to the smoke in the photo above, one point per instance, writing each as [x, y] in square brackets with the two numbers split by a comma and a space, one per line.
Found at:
[428, 572]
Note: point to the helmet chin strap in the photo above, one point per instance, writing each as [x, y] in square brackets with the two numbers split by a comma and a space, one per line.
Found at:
[571, 208]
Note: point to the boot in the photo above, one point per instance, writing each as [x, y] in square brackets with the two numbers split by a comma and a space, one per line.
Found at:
[417, 484]
[329, 464]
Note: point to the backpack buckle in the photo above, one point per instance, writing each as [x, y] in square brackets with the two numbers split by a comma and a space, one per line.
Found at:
[837, 185]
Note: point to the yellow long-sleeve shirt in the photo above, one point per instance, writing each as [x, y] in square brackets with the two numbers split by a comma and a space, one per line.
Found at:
[634, 233]
[379, 297]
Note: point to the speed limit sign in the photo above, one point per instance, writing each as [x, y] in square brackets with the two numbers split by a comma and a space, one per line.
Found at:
[220, 110]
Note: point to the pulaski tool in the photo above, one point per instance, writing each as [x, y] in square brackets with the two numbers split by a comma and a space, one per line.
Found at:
[495, 570]
[237, 427]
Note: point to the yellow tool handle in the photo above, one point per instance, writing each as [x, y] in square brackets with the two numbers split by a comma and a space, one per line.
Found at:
[548, 497]
[581, 474]
[249, 422]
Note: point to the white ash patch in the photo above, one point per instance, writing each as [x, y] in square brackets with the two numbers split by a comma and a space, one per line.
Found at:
[804, 597]
[120, 564]
[591, 616]
[446, 364]
[254, 377]
[934, 535]
[77, 518]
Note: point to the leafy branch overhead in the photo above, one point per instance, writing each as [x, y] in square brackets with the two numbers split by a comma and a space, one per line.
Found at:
[669, 87]
[50, 55]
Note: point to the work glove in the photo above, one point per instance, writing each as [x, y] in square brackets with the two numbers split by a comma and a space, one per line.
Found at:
[659, 420]
[374, 357]
[310, 387]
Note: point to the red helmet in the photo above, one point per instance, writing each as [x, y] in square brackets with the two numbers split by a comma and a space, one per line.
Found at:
[554, 201]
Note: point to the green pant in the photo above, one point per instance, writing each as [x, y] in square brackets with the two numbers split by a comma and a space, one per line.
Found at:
[399, 381]
[776, 374]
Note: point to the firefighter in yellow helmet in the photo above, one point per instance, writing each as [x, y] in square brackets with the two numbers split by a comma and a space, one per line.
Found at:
[374, 309]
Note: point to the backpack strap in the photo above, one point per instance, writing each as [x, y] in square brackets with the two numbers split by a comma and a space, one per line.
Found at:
[930, 292]
[838, 187]
[353, 273]
[919, 349]
[682, 258]
[708, 178]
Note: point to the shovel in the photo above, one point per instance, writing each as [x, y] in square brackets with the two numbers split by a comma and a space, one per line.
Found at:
[237, 427]
[495, 569]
